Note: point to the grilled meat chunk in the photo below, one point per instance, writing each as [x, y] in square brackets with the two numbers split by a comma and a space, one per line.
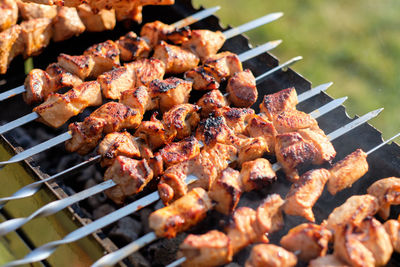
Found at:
[274, 104]
[269, 216]
[182, 214]
[326, 151]
[36, 84]
[132, 47]
[117, 144]
[308, 240]
[210, 249]
[105, 56]
[215, 130]
[36, 34]
[97, 22]
[116, 81]
[170, 92]
[268, 255]
[130, 175]
[205, 43]
[80, 66]
[146, 70]
[181, 121]
[176, 152]
[176, 59]
[250, 149]
[60, 78]
[138, 98]
[256, 174]
[154, 32]
[11, 45]
[34, 11]
[67, 24]
[392, 228]
[327, 261]
[153, 133]
[242, 89]
[236, 118]
[179, 36]
[347, 171]
[58, 109]
[304, 193]
[293, 120]
[387, 191]
[260, 126]
[132, 11]
[211, 101]
[9, 14]
[110, 117]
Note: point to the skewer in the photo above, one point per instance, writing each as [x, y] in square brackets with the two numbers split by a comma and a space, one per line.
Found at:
[113, 258]
[230, 33]
[55, 206]
[31, 189]
[67, 135]
[179, 24]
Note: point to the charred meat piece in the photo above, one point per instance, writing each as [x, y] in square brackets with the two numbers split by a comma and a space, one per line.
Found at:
[269, 216]
[256, 174]
[268, 255]
[146, 70]
[138, 98]
[181, 121]
[215, 130]
[211, 101]
[274, 104]
[67, 24]
[36, 34]
[392, 228]
[176, 59]
[250, 149]
[387, 191]
[153, 133]
[60, 78]
[203, 78]
[242, 89]
[132, 47]
[117, 144]
[9, 14]
[326, 151]
[347, 171]
[116, 81]
[179, 36]
[205, 43]
[34, 11]
[105, 56]
[110, 117]
[155, 31]
[327, 261]
[170, 92]
[129, 12]
[58, 109]
[183, 150]
[293, 120]
[182, 214]
[309, 240]
[80, 66]
[304, 193]
[236, 118]
[11, 45]
[210, 249]
[130, 175]
[37, 82]
[260, 126]
[97, 22]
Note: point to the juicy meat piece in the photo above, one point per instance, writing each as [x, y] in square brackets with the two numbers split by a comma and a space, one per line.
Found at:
[292, 150]
[250, 149]
[146, 70]
[226, 191]
[105, 56]
[58, 109]
[60, 78]
[204, 78]
[236, 118]
[181, 121]
[152, 132]
[36, 84]
[67, 24]
[259, 126]
[170, 92]
[138, 98]
[211, 101]
[242, 89]
[132, 47]
[9, 14]
[36, 34]
[34, 11]
[269, 215]
[226, 63]
[387, 191]
[80, 66]
[327, 261]
[354, 210]
[116, 81]
[131, 11]
[155, 31]
[210, 249]
[308, 240]
[117, 144]
[215, 130]
[176, 152]
[176, 59]
[392, 228]
[179, 36]
[347, 171]
[274, 104]
[182, 214]
[205, 43]
[268, 255]
[97, 22]
[293, 120]
[256, 174]
[11, 45]
[130, 175]
[304, 193]
[326, 151]
[110, 117]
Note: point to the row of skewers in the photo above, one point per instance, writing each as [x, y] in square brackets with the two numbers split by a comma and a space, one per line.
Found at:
[199, 145]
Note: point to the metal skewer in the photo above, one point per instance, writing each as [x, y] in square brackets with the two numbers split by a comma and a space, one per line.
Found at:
[179, 24]
[67, 135]
[114, 257]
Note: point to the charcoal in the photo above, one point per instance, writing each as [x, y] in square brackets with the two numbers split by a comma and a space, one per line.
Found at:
[127, 229]
[96, 200]
[102, 211]
[137, 260]
[163, 251]
[144, 218]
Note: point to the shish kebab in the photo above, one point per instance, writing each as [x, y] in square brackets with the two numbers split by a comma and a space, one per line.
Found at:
[94, 190]
[162, 227]
[47, 249]
[154, 32]
[88, 93]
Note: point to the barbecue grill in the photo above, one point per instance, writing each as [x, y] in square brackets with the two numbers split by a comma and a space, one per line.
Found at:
[384, 162]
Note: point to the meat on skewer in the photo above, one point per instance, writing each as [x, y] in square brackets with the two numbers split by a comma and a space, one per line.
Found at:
[269, 255]
[392, 227]
[387, 191]
[9, 14]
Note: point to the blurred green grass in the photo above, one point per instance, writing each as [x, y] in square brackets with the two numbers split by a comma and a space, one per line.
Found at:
[355, 44]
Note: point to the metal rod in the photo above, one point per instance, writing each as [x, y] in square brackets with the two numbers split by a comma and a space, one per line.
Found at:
[381, 145]
[282, 66]
[313, 92]
[18, 122]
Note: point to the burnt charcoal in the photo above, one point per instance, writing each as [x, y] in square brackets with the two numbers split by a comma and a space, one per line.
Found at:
[137, 260]
[102, 211]
[126, 230]
[144, 218]
[96, 200]
[163, 251]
